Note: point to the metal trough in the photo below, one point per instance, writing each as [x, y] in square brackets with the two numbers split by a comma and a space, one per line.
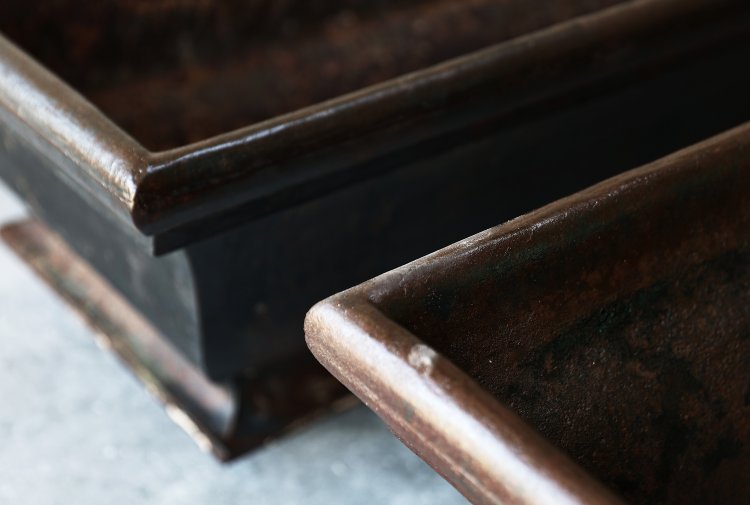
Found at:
[597, 347]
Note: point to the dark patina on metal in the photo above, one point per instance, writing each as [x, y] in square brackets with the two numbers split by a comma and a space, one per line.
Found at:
[367, 145]
[612, 326]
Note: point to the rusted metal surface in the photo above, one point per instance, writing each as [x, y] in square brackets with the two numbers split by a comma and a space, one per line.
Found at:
[614, 323]
[228, 418]
[267, 57]
[223, 244]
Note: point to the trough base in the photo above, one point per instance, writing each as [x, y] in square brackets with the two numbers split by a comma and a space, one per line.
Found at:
[224, 419]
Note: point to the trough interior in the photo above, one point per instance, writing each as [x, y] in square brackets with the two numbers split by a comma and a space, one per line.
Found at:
[172, 72]
[622, 335]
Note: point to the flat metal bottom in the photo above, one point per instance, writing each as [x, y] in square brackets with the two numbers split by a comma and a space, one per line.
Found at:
[224, 419]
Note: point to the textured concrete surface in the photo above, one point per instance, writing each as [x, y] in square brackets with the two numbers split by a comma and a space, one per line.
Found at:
[75, 427]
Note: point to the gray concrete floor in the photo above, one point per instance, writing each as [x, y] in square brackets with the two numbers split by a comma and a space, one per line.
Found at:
[76, 428]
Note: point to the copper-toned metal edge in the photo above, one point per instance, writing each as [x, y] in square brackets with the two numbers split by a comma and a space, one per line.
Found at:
[410, 386]
[64, 122]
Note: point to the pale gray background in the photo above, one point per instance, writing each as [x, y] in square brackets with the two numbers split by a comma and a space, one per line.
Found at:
[76, 428]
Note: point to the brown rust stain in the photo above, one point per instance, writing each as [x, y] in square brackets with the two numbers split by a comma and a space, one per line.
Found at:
[648, 392]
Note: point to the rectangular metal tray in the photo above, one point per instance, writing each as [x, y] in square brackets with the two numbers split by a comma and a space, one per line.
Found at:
[369, 134]
[602, 340]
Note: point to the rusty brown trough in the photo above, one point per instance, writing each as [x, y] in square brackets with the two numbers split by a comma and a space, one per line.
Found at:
[597, 347]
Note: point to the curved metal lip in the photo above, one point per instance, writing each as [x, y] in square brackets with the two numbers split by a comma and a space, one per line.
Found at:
[434, 407]
[160, 191]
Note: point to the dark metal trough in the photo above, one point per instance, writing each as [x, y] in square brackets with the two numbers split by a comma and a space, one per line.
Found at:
[592, 351]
